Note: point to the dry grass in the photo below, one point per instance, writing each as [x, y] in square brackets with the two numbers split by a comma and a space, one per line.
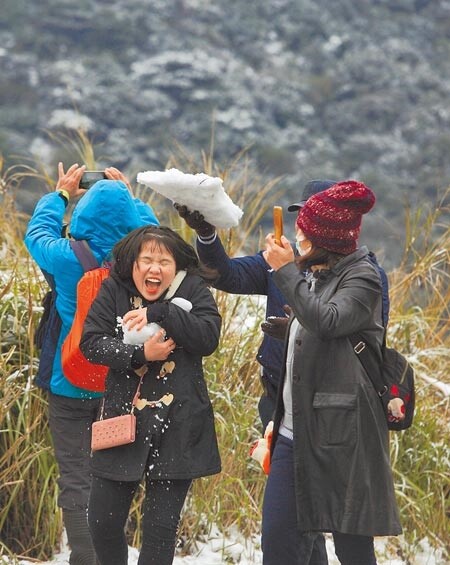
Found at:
[419, 326]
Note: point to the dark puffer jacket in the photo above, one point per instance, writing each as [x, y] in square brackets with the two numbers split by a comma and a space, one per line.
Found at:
[341, 453]
[175, 443]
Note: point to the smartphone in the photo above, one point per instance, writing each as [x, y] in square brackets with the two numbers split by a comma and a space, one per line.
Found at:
[278, 223]
[91, 177]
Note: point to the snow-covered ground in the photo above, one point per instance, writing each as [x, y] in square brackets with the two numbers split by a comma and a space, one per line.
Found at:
[219, 550]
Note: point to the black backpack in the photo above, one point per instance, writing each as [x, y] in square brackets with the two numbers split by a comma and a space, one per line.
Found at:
[394, 377]
[47, 334]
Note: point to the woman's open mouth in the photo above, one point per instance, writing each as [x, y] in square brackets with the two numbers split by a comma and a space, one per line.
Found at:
[152, 285]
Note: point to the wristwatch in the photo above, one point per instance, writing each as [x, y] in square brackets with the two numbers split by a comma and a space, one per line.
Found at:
[64, 195]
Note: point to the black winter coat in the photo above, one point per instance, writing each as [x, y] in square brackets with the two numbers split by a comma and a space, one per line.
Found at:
[175, 443]
[343, 476]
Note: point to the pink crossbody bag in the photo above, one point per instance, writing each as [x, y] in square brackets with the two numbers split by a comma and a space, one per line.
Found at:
[116, 431]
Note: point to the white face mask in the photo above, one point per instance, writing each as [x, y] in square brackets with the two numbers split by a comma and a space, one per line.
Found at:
[301, 238]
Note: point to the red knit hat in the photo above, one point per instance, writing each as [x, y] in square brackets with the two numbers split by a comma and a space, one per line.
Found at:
[332, 219]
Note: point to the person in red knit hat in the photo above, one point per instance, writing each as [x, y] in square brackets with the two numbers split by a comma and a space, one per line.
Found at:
[332, 219]
[330, 469]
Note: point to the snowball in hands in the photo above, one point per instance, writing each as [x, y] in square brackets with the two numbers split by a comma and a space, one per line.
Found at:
[138, 337]
[198, 192]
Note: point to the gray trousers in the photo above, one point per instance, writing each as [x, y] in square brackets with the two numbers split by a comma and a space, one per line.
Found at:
[70, 426]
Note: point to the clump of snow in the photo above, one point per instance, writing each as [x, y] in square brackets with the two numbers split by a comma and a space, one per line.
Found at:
[198, 192]
[182, 303]
[138, 337]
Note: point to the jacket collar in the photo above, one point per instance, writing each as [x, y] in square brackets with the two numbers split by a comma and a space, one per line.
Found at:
[349, 259]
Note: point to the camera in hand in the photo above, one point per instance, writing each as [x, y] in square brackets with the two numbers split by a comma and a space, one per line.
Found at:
[91, 177]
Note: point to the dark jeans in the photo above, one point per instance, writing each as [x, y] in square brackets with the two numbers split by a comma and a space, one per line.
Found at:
[70, 422]
[354, 550]
[282, 542]
[267, 402]
[109, 505]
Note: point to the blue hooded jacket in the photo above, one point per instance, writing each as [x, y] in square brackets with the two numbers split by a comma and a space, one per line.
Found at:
[103, 216]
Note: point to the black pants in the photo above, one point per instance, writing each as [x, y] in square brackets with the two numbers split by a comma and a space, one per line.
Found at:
[281, 540]
[109, 505]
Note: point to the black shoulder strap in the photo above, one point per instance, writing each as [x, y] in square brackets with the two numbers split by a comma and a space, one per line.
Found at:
[369, 362]
[84, 254]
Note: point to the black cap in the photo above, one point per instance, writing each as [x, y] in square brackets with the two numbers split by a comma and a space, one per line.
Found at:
[312, 187]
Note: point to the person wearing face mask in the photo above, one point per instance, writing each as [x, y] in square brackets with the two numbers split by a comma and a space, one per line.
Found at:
[156, 278]
[302, 244]
[276, 326]
[252, 275]
[330, 469]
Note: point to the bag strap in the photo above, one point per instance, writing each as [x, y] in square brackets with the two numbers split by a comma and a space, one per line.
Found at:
[84, 254]
[136, 396]
[369, 362]
[175, 284]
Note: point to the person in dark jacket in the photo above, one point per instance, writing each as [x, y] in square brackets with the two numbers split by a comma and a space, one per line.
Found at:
[252, 275]
[330, 468]
[71, 409]
[156, 278]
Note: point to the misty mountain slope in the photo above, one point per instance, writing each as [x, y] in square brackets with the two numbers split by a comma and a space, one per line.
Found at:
[317, 88]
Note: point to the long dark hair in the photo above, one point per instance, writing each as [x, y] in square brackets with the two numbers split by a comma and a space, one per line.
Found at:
[127, 250]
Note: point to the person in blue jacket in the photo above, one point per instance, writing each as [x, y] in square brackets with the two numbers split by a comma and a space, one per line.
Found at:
[103, 215]
[251, 274]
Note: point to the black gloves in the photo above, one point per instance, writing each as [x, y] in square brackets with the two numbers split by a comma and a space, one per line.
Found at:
[195, 220]
[277, 327]
[157, 312]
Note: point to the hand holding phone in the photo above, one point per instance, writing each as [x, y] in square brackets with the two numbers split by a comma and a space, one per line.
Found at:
[91, 177]
[278, 223]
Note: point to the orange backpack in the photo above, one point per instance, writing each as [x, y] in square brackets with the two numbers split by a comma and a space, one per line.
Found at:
[76, 368]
